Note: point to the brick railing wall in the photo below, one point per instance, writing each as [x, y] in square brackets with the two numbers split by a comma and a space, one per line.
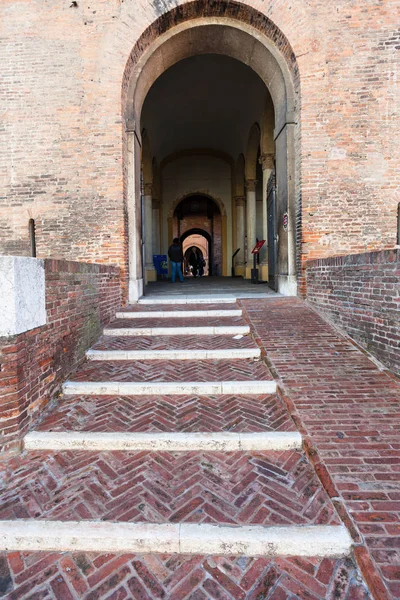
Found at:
[80, 299]
[361, 294]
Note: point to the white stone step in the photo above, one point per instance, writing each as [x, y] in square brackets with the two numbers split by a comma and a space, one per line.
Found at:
[164, 441]
[149, 331]
[199, 388]
[223, 353]
[192, 299]
[26, 535]
[178, 314]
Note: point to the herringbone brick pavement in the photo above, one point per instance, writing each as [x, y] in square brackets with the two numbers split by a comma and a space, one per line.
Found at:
[188, 322]
[269, 488]
[86, 576]
[168, 413]
[164, 370]
[174, 342]
[350, 409]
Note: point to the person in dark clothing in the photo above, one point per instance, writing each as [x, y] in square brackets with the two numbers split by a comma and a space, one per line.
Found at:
[176, 257]
[194, 261]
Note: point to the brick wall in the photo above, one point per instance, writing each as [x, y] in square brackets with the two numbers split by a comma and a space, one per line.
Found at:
[61, 139]
[361, 294]
[80, 299]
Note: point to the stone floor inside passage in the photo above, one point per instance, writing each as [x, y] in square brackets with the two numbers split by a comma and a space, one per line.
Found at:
[345, 475]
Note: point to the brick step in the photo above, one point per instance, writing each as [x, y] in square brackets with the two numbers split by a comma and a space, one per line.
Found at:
[168, 413]
[178, 314]
[175, 342]
[179, 307]
[91, 576]
[226, 353]
[97, 536]
[135, 388]
[222, 488]
[162, 371]
[122, 328]
[168, 441]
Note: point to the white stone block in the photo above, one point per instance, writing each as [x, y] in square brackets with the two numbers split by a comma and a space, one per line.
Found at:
[22, 294]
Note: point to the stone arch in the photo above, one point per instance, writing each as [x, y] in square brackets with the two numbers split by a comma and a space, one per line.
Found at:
[243, 33]
[197, 192]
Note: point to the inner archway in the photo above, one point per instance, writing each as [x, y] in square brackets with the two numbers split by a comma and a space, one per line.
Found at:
[198, 145]
[202, 240]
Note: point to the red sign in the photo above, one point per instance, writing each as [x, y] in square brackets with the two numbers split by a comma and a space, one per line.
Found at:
[258, 247]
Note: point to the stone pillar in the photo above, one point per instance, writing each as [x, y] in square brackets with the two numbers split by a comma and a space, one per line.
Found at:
[156, 228]
[251, 222]
[134, 214]
[148, 233]
[267, 163]
[240, 202]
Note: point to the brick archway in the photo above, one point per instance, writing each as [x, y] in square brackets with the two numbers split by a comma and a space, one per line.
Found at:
[237, 31]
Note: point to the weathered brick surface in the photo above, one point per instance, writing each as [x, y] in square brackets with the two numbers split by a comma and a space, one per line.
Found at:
[80, 298]
[361, 294]
[163, 413]
[172, 577]
[163, 370]
[349, 412]
[269, 488]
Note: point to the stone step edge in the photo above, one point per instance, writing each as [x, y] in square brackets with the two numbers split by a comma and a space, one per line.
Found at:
[206, 330]
[164, 441]
[26, 535]
[188, 300]
[201, 388]
[178, 314]
[228, 353]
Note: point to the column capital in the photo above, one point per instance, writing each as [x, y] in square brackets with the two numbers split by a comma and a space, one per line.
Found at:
[267, 161]
[147, 189]
[251, 185]
[240, 200]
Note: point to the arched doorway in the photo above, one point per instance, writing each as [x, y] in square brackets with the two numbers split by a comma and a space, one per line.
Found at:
[190, 135]
[199, 215]
[202, 240]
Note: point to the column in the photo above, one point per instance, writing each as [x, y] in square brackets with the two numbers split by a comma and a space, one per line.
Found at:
[156, 228]
[267, 163]
[240, 203]
[134, 214]
[148, 233]
[251, 222]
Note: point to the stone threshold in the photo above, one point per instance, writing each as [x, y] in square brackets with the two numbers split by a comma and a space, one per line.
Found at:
[201, 388]
[164, 441]
[176, 314]
[159, 331]
[25, 535]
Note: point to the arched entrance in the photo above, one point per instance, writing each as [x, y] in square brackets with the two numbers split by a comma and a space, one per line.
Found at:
[199, 215]
[201, 240]
[199, 137]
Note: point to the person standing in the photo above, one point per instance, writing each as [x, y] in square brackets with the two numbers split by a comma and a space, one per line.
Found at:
[194, 261]
[176, 257]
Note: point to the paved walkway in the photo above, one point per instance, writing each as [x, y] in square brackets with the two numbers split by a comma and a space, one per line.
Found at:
[350, 411]
[220, 488]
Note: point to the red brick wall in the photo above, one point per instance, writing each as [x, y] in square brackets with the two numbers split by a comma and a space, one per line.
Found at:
[361, 294]
[80, 299]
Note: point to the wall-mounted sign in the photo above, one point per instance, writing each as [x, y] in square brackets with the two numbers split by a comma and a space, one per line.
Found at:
[258, 247]
[285, 221]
